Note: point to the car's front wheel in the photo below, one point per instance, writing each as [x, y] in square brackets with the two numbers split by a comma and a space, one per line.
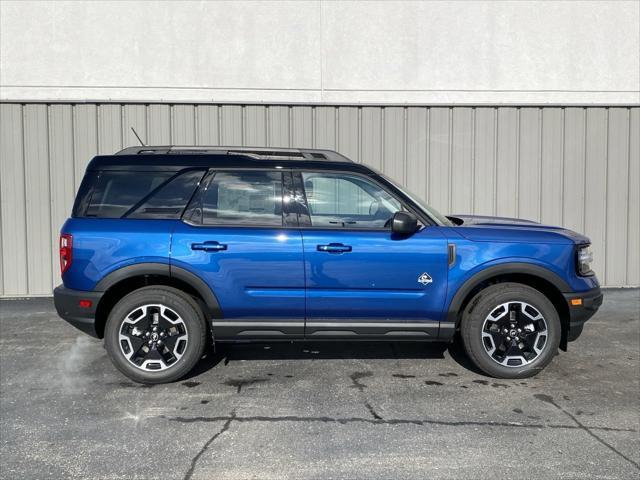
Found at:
[510, 330]
[155, 334]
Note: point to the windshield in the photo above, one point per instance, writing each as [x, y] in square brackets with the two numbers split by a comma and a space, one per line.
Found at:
[432, 212]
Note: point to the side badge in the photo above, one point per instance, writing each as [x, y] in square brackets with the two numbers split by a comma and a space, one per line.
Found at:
[425, 279]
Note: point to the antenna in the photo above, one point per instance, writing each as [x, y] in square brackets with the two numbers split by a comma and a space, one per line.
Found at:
[138, 137]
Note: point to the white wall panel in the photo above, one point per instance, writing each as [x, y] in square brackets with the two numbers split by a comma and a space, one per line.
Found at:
[37, 197]
[302, 126]
[12, 191]
[61, 175]
[530, 152]
[507, 162]
[484, 187]
[617, 195]
[633, 200]
[378, 52]
[255, 125]
[551, 168]
[207, 125]
[574, 166]
[596, 180]
[438, 161]
[393, 163]
[462, 162]
[278, 128]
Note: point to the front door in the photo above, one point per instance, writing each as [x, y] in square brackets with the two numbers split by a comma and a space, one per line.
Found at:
[234, 237]
[362, 280]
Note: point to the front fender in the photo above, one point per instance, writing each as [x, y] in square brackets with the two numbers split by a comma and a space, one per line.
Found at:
[467, 282]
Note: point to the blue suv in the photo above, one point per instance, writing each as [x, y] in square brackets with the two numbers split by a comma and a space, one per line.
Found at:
[170, 248]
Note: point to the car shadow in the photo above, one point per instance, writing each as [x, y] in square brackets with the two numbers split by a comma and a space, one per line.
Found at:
[225, 353]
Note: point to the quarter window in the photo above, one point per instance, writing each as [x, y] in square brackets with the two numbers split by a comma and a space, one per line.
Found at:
[116, 192]
[340, 200]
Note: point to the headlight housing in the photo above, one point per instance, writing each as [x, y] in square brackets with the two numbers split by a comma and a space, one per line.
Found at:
[584, 257]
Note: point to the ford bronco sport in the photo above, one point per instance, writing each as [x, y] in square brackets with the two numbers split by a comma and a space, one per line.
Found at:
[168, 248]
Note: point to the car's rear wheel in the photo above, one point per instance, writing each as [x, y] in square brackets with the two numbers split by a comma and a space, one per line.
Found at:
[510, 330]
[155, 334]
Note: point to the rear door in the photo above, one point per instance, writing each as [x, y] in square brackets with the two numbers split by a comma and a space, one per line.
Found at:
[362, 280]
[238, 237]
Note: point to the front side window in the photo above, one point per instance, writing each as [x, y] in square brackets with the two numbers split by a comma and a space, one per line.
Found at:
[243, 198]
[342, 200]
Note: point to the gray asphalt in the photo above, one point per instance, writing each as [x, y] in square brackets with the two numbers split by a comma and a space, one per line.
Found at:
[347, 410]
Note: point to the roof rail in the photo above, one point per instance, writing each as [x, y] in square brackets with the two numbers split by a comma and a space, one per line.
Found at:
[256, 152]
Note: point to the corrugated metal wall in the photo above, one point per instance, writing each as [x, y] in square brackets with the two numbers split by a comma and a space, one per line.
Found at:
[578, 167]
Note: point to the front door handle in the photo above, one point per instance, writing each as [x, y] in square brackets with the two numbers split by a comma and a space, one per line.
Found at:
[334, 248]
[211, 246]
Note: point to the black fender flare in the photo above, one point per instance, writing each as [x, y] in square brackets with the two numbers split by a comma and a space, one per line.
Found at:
[502, 269]
[165, 270]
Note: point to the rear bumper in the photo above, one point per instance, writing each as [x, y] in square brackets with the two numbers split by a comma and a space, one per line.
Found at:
[67, 304]
[590, 302]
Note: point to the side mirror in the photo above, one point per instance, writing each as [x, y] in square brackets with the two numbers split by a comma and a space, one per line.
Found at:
[404, 223]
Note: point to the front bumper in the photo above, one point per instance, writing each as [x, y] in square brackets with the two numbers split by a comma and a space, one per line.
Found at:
[582, 306]
[67, 304]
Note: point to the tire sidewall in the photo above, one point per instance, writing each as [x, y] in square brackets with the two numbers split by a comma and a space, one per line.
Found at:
[184, 307]
[484, 303]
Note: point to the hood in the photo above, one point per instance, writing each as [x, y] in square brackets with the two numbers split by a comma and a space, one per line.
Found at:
[505, 229]
[484, 220]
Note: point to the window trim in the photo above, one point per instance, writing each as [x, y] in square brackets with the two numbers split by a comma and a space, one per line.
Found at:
[209, 177]
[299, 184]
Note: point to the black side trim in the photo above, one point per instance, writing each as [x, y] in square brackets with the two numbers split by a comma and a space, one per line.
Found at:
[259, 329]
[132, 271]
[67, 305]
[504, 269]
[374, 330]
[163, 269]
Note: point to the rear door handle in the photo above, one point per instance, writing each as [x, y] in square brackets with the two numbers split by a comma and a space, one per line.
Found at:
[211, 246]
[334, 248]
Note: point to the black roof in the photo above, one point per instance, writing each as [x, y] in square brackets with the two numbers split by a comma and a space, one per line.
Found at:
[178, 158]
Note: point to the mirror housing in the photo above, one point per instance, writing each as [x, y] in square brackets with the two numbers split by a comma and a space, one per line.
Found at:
[404, 223]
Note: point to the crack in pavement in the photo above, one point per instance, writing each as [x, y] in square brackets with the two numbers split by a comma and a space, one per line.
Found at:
[372, 411]
[204, 448]
[381, 421]
[549, 399]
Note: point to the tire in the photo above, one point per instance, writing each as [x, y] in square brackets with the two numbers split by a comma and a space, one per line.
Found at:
[520, 352]
[166, 322]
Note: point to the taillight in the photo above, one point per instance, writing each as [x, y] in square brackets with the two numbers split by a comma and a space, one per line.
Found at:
[66, 249]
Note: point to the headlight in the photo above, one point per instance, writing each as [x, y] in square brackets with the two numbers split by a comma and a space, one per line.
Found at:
[584, 259]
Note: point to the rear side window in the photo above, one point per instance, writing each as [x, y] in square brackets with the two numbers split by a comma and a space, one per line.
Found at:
[134, 194]
[169, 199]
[239, 198]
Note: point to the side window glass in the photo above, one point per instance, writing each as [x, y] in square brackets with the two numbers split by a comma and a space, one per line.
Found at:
[115, 192]
[169, 199]
[347, 201]
[243, 198]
